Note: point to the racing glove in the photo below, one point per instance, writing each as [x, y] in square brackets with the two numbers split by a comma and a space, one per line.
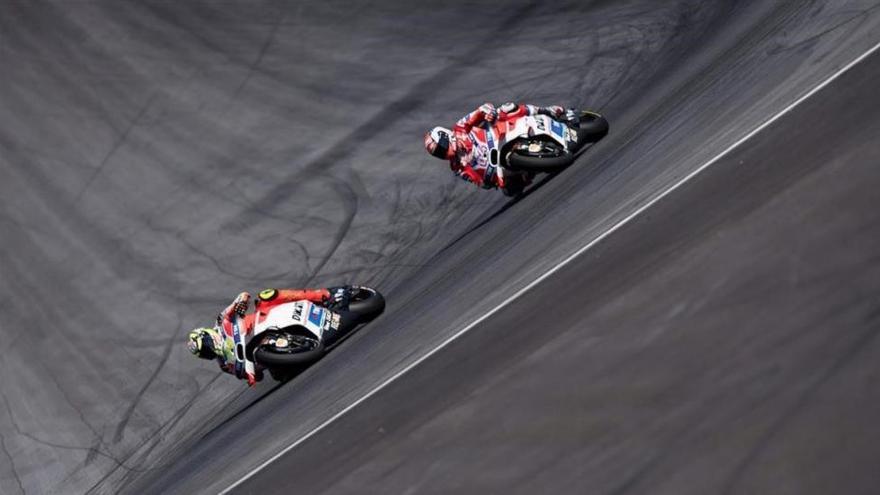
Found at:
[489, 112]
[238, 306]
[572, 117]
[240, 303]
[468, 174]
[500, 181]
[339, 297]
[554, 111]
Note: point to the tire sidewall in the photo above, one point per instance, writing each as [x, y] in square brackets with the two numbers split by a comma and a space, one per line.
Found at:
[369, 308]
[281, 360]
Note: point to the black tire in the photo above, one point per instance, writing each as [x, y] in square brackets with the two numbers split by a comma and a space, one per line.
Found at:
[517, 161]
[367, 303]
[310, 350]
[593, 127]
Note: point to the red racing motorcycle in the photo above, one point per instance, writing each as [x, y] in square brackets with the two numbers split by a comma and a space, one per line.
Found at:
[536, 143]
[294, 335]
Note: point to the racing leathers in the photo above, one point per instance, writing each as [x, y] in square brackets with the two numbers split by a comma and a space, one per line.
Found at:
[467, 161]
[234, 324]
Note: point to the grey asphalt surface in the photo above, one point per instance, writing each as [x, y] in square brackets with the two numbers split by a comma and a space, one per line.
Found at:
[158, 157]
[725, 342]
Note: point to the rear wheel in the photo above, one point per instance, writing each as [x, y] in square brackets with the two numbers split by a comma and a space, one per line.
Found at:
[288, 349]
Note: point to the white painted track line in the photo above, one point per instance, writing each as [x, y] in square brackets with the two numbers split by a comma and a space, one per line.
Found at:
[553, 270]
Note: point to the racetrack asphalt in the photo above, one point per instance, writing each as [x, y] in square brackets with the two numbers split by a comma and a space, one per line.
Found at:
[158, 157]
[697, 350]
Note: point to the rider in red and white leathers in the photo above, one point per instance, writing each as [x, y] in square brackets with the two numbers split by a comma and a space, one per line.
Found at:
[234, 324]
[458, 145]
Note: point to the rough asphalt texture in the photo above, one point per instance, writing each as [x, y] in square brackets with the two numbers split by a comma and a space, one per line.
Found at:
[158, 157]
[697, 350]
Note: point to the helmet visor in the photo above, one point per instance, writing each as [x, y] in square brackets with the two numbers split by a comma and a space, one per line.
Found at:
[437, 143]
[202, 345]
[442, 146]
[206, 349]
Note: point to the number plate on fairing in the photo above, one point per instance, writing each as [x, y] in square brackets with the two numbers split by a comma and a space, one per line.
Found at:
[300, 313]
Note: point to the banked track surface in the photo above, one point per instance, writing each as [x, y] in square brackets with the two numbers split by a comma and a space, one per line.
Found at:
[161, 156]
[726, 341]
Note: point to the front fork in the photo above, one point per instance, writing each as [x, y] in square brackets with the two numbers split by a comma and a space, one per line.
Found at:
[241, 360]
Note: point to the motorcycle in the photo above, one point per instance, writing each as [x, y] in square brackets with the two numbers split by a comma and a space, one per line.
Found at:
[293, 335]
[538, 143]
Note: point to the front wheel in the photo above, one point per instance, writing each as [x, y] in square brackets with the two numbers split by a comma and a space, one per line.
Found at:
[538, 156]
[285, 349]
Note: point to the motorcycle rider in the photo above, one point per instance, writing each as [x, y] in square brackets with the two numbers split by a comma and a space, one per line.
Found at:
[235, 323]
[457, 145]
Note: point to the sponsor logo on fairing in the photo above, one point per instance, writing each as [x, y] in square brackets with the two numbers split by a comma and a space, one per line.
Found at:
[332, 323]
[557, 128]
[539, 123]
[316, 316]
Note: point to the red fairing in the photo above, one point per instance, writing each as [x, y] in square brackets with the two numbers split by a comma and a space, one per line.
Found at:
[266, 300]
[270, 298]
